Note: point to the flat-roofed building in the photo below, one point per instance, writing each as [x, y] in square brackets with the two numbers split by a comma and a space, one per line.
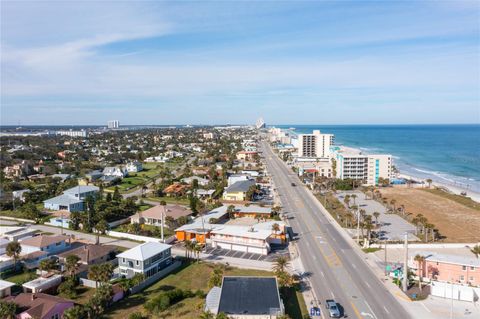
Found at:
[315, 144]
[238, 298]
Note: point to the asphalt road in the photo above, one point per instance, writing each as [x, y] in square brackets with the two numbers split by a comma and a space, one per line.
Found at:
[334, 269]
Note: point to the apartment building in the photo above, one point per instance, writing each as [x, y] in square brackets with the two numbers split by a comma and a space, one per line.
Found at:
[113, 124]
[315, 144]
[351, 164]
[72, 133]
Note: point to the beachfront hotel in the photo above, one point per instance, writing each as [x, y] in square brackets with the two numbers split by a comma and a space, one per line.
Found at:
[353, 164]
[315, 145]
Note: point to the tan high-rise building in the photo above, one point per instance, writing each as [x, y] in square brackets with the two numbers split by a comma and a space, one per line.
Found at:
[315, 144]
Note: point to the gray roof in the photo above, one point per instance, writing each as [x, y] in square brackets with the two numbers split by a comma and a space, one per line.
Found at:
[63, 200]
[249, 296]
[240, 186]
[144, 251]
[81, 189]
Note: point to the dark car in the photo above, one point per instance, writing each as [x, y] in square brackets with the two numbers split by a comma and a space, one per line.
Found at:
[293, 184]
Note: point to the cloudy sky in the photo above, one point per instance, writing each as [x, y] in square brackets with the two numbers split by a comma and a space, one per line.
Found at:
[292, 62]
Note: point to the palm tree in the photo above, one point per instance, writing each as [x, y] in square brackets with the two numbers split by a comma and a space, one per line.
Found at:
[419, 259]
[230, 211]
[429, 181]
[8, 309]
[393, 202]
[368, 226]
[94, 273]
[280, 264]
[476, 250]
[13, 250]
[354, 197]
[100, 228]
[197, 249]
[71, 264]
[47, 264]
[376, 215]
[275, 228]
[346, 200]
[106, 271]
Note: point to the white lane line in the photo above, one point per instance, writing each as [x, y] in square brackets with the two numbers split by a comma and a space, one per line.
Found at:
[353, 265]
[426, 308]
[370, 308]
[323, 275]
[366, 283]
[314, 257]
[333, 296]
[386, 310]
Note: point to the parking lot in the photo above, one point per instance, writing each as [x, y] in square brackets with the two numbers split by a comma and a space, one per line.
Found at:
[276, 252]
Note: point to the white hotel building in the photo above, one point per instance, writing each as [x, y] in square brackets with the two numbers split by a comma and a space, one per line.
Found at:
[367, 168]
[315, 145]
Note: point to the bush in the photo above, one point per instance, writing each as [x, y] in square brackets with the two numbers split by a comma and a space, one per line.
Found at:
[135, 315]
[164, 300]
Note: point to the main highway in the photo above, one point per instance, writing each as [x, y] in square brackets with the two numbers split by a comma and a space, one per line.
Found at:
[332, 266]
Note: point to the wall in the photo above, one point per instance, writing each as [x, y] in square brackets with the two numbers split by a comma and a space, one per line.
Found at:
[119, 222]
[460, 292]
[139, 238]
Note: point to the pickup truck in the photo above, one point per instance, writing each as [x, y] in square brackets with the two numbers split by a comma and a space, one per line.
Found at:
[332, 308]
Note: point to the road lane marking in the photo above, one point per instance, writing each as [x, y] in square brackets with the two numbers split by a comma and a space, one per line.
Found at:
[386, 310]
[366, 283]
[353, 265]
[333, 296]
[426, 308]
[356, 310]
[323, 275]
[370, 309]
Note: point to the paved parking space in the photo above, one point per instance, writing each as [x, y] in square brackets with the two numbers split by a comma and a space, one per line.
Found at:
[276, 251]
[392, 227]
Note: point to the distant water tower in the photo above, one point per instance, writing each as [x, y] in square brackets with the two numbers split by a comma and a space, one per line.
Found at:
[113, 124]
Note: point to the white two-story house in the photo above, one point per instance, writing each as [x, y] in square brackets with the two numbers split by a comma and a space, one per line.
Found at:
[147, 259]
[72, 199]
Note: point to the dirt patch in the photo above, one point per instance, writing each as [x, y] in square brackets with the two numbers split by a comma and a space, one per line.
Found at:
[457, 222]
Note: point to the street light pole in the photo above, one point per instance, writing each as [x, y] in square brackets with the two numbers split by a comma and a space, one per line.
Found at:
[405, 266]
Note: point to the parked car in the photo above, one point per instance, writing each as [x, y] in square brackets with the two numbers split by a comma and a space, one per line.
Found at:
[293, 184]
[332, 308]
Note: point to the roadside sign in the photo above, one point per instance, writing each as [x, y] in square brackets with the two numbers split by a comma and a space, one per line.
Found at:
[388, 267]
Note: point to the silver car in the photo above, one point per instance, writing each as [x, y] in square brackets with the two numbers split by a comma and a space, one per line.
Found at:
[332, 308]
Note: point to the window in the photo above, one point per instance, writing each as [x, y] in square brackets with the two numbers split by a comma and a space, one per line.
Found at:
[472, 268]
[471, 279]
[138, 263]
[462, 277]
[58, 244]
[464, 267]
[123, 260]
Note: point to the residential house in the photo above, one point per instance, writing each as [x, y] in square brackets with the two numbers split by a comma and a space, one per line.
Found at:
[153, 216]
[15, 233]
[72, 199]
[246, 155]
[147, 259]
[238, 191]
[201, 181]
[176, 189]
[49, 244]
[120, 172]
[5, 288]
[40, 305]
[232, 179]
[238, 298]
[134, 167]
[48, 283]
[91, 254]
[6, 262]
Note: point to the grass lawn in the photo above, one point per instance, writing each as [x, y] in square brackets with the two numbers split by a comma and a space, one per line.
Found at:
[21, 278]
[170, 200]
[194, 277]
[371, 250]
[144, 207]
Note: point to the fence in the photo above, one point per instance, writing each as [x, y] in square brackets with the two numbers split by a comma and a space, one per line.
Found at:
[119, 222]
[420, 246]
[117, 234]
[150, 280]
[17, 219]
[88, 283]
[454, 291]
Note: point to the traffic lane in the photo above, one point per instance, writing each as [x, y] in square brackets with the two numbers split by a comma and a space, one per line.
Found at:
[369, 283]
[379, 290]
[323, 280]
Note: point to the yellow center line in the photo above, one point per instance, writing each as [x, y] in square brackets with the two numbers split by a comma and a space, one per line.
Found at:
[355, 310]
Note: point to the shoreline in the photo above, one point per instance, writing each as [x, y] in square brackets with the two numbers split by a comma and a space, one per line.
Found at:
[455, 190]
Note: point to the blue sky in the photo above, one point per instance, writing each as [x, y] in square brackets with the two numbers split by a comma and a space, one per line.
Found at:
[313, 62]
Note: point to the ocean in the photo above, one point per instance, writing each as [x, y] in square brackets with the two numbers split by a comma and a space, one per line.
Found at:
[448, 154]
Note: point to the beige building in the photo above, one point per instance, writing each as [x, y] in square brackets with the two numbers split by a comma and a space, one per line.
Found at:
[315, 144]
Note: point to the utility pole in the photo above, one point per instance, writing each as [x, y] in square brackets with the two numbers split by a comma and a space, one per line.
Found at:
[163, 222]
[405, 266]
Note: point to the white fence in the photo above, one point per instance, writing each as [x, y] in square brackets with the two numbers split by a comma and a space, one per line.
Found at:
[139, 238]
[454, 291]
[119, 222]
[17, 219]
[88, 283]
[423, 246]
